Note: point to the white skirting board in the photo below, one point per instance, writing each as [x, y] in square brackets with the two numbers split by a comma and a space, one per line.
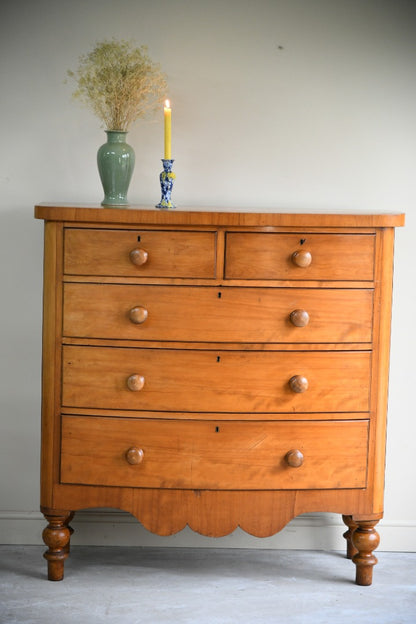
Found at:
[114, 528]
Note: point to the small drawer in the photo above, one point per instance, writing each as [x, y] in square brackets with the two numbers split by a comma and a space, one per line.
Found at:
[215, 381]
[214, 455]
[208, 314]
[328, 257]
[145, 253]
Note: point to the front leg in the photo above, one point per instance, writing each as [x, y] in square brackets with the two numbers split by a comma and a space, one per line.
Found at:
[365, 539]
[56, 536]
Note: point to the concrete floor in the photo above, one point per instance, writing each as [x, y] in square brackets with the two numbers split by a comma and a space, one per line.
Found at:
[203, 586]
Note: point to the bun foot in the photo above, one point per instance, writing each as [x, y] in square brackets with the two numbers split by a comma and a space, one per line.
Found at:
[56, 536]
[365, 539]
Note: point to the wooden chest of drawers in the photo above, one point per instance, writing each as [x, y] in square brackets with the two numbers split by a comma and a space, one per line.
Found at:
[216, 369]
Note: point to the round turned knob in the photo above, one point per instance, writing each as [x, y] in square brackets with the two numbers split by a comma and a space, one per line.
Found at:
[302, 258]
[135, 382]
[298, 383]
[139, 256]
[134, 456]
[299, 318]
[294, 458]
[138, 315]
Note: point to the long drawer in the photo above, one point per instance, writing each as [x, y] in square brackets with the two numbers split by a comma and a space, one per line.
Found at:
[208, 314]
[299, 257]
[215, 381]
[142, 253]
[209, 455]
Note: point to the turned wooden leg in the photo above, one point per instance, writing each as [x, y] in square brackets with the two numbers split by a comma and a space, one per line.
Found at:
[365, 539]
[71, 530]
[56, 536]
[352, 525]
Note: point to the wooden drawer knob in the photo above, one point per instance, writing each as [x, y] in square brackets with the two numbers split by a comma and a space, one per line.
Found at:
[294, 458]
[298, 384]
[138, 315]
[139, 256]
[302, 258]
[134, 456]
[135, 382]
[299, 318]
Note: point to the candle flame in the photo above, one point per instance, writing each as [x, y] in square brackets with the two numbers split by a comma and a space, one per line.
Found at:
[167, 103]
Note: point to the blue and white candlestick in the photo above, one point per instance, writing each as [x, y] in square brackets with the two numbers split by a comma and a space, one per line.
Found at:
[166, 184]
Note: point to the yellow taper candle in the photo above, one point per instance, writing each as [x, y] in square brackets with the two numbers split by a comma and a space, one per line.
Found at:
[168, 130]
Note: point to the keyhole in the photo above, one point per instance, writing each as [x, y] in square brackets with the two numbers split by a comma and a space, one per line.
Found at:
[217, 429]
[218, 358]
[302, 241]
[219, 295]
[138, 239]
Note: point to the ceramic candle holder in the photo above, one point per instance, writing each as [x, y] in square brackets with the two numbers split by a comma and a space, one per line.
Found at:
[166, 184]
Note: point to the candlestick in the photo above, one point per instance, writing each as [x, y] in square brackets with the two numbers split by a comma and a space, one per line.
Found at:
[168, 130]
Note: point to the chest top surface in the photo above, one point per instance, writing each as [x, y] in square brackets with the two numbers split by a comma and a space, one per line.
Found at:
[206, 216]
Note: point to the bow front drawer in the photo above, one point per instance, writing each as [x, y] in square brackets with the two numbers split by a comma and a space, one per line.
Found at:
[329, 257]
[209, 455]
[181, 313]
[144, 253]
[215, 381]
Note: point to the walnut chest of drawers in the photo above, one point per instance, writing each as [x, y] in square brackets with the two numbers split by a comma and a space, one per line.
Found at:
[215, 369]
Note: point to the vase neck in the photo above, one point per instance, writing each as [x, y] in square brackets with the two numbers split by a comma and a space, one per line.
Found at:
[116, 136]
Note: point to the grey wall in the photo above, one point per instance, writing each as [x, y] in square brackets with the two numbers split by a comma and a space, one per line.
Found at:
[291, 105]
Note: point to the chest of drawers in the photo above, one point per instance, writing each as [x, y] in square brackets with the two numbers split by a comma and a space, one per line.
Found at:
[216, 369]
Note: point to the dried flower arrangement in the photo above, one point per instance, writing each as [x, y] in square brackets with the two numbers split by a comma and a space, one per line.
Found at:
[119, 82]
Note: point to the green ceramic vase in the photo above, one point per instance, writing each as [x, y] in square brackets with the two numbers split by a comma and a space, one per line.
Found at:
[115, 160]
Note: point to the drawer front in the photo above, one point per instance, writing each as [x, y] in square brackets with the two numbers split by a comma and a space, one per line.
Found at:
[274, 256]
[207, 314]
[145, 253]
[215, 381]
[209, 455]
